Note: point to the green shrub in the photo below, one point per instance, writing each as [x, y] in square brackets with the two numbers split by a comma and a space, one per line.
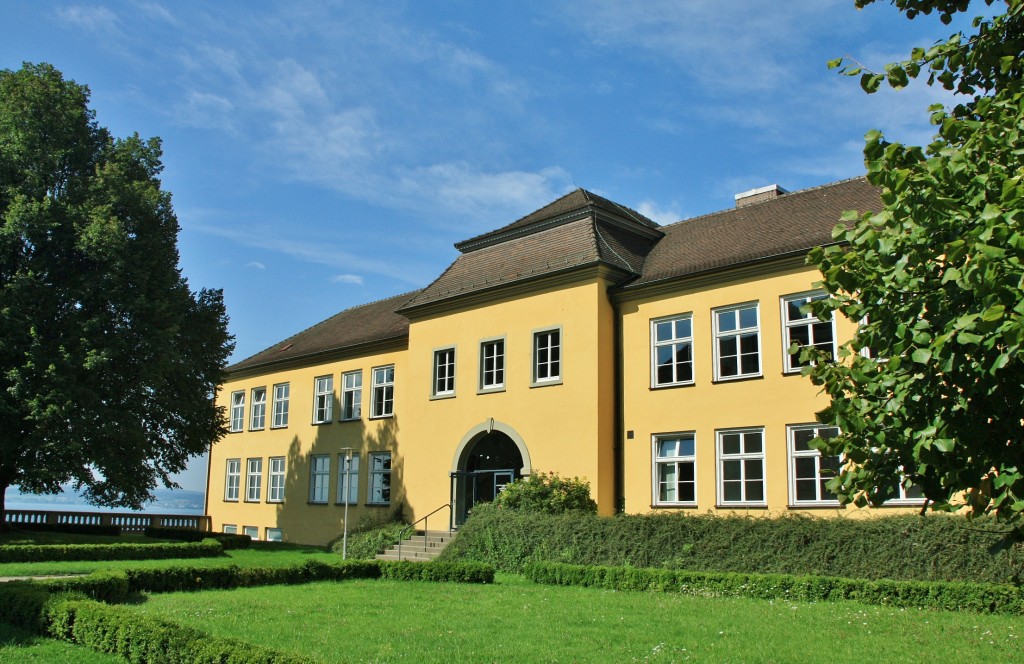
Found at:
[405, 570]
[70, 528]
[227, 540]
[901, 547]
[957, 596]
[548, 493]
[371, 534]
[23, 553]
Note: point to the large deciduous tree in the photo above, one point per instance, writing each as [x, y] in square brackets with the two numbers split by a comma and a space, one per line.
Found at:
[108, 361]
[931, 388]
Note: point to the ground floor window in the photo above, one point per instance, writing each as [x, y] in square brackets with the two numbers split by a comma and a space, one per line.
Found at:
[273, 534]
[741, 478]
[675, 469]
[348, 479]
[319, 478]
[379, 492]
[251, 531]
[230, 529]
[809, 469]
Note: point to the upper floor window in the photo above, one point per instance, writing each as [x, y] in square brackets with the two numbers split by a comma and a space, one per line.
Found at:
[804, 329]
[737, 342]
[672, 351]
[348, 479]
[253, 480]
[258, 409]
[547, 356]
[444, 372]
[809, 468]
[383, 392]
[352, 395]
[492, 364]
[323, 399]
[379, 492]
[232, 479]
[675, 469]
[281, 392]
[319, 478]
[275, 488]
[237, 410]
[741, 467]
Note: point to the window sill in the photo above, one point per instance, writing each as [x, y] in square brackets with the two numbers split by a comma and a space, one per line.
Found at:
[318, 424]
[737, 379]
[442, 397]
[377, 504]
[546, 383]
[900, 502]
[381, 417]
[351, 419]
[316, 502]
[231, 500]
[669, 386]
[253, 430]
[741, 506]
[491, 390]
[278, 426]
[275, 502]
[674, 506]
[833, 505]
[235, 431]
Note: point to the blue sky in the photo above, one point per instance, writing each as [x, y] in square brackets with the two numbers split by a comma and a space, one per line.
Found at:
[327, 154]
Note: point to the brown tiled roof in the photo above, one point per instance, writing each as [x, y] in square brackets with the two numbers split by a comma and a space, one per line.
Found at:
[365, 324]
[551, 250]
[789, 224]
[577, 201]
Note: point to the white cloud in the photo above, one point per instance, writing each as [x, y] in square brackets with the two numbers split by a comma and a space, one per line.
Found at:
[206, 111]
[347, 279]
[91, 19]
[256, 265]
[656, 213]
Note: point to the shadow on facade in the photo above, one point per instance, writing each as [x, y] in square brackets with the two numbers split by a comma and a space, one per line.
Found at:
[313, 510]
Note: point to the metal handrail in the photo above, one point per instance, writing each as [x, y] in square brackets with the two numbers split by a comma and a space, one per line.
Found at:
[412, 526]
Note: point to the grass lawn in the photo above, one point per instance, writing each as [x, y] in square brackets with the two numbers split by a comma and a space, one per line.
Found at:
[261, 555]
[18, 646]
[515, 620]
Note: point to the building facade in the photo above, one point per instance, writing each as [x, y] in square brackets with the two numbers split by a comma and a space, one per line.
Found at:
[583, 339]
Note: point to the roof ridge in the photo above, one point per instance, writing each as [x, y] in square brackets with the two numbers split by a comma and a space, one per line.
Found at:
[790, 195]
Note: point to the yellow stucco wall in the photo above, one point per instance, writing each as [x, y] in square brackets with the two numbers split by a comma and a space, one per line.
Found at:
[566, 427]
[772, 401]
[299, 520]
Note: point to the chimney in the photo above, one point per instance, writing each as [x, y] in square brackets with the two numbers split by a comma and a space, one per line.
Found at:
[759, 195]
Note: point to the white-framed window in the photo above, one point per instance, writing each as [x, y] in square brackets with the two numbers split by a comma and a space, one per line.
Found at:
[675, 469]
[737, 342]
[253, 480]
[804, 329]
[352, 395]
[237, 410]
[319, 477]
[383, 401]
[379, 492]
[444, 372]
[907, 493]
[547, 356]
[274, 535]
[252, 531]
[282, 392]
[672, 351]
[229, 529]
[232, 479]
[348, 479]
[323, 399]
[275, 483]
[492, 364]
[809, 469]
[741, 476]
[258, 409]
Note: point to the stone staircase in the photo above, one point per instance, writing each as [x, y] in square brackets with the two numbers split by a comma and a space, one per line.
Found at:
[421, 546]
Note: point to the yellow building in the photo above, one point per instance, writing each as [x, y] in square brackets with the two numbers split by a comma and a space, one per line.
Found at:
[583, 339]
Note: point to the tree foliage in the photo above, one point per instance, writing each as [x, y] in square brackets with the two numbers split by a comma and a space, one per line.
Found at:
[549, 493]
[931, 388]
[109, 361]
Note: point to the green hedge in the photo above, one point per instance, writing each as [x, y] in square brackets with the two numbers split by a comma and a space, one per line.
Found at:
[69, 528]
[955, 596]
[30, 553]
[139, 638]
[936, 547]
[227, 540]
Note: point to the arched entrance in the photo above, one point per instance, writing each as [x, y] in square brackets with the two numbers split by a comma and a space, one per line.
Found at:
[489, 457]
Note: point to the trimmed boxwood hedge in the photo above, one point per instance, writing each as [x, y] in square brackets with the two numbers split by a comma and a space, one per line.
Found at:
[936, 547]
[27, 553]
[947, 596]
[227, 540]
[69, 528]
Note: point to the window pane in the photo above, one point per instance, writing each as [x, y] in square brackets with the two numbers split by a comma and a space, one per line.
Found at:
[686, 446]
[726, 321]
[732, 492]
[667, 447]
[754, 469]
[805, 489]
[731, 443]
[799, 335]
[755, 490]
[748, 317]
[731, 470]
[749, 364]
[663, 331]
[804, 467]
[802, 439]
[752, 442]
[793, 309]
[748, 343]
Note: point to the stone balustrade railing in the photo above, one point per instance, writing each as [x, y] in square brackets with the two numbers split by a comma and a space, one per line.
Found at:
[130, 522]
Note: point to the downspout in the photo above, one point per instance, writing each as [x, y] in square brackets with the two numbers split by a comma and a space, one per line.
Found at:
[618, 451]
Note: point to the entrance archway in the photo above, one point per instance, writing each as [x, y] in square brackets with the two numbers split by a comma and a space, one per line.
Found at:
[490, 456]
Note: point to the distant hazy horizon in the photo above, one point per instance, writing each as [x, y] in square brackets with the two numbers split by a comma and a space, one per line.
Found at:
[167, 501]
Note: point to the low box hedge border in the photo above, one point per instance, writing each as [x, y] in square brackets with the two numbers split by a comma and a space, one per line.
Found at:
[83, 610]
[30, 553]
[227, 540]
[69, 528]
[942, 595]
